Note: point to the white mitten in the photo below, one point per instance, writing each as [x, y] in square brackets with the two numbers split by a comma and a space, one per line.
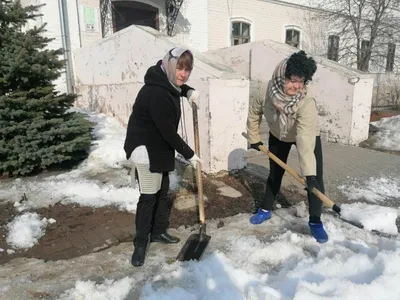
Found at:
[193, 97]
[194, 160]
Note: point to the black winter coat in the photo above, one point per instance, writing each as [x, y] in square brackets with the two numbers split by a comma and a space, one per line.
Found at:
[154, 121]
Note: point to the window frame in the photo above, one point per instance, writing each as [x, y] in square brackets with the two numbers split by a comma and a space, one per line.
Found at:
[333, 47]
[292, 28]
[390, 57]
[240, 37]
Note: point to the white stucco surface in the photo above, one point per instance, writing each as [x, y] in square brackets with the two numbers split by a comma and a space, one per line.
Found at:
[109, 74]
[344, 108]
[75, 27]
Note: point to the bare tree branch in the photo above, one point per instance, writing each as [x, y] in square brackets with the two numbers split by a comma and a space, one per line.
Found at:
[365, 28]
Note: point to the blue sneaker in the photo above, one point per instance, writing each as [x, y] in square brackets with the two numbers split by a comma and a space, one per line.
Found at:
[318, 232]
[260, 216]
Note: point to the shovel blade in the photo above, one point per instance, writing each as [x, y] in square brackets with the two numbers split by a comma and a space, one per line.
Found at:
[194, 247]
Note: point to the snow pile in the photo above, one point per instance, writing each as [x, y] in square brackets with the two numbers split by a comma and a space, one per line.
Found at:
[268, 262]
[100, 180]
[372, 217]
[26, 230]
[109, 290]
[68, 190]
[374, 190]
[389, 134]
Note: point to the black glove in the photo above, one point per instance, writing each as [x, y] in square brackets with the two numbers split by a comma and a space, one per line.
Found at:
[312, 183]
[256, 145]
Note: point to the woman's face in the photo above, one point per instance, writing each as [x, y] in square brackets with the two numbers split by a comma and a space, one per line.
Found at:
[293, 84]
[182, 75]
[183, 68]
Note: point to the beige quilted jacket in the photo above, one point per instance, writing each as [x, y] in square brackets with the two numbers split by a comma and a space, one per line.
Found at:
[303, 132]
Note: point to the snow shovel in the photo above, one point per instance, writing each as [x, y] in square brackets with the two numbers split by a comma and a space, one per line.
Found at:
[196, 243]
[325, 200]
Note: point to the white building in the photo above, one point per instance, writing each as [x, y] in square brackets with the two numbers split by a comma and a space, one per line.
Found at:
[108, 66]
[72, 24]
[206, 25]
[213, 24]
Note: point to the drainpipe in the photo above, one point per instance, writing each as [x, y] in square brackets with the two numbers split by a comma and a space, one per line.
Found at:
[66, 43]
[79, 24]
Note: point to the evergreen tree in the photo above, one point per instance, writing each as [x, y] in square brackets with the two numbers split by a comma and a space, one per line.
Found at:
[37, 127]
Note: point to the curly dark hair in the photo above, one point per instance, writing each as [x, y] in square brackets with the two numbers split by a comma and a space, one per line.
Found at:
[300, 65]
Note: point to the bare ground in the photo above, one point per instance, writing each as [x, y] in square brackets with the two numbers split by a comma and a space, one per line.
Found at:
[81, 230]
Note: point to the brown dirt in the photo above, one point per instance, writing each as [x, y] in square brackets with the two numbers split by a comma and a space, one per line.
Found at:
[81, 230]
[377, 115]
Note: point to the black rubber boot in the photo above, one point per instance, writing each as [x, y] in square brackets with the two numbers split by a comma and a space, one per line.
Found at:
[138, 256]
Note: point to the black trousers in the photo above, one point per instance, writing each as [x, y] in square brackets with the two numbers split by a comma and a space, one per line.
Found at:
[281, 150]
[152, 213]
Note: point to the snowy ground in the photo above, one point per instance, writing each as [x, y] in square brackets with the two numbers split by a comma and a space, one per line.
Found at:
[84, 185]
[276, 260]
[389, 135]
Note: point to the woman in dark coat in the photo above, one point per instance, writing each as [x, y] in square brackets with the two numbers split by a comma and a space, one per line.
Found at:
[151, 142]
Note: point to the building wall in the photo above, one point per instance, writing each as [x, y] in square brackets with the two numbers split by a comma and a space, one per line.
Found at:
[268, 20]
[75, 33]
[110, 73]
[386, 90]
[343, 95]
[191, 26]
[88, 33]
[186, 31]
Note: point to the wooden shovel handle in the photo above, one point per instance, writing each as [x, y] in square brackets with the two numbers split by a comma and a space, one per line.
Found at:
[198, 167]
[327, 202]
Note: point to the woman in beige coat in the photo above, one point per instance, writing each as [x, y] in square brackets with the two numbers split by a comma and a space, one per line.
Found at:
[291, 114]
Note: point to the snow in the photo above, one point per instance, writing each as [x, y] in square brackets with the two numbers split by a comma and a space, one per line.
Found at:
[383, 190]
[109, 290]
[375, 190]
[25, 230]
[85, 184]
[278, 259]
[373, 217]
[388, 137]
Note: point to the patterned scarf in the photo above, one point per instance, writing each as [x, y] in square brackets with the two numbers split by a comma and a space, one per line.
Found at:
[286, 106]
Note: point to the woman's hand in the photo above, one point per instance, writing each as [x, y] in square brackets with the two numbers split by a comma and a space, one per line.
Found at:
[193, 97]
[194, 160]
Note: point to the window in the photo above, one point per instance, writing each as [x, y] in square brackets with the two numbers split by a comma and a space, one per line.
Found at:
[292, 37]
[127, 13]
[333, 47]
[390, 57]
[240, 33]
[363, 60]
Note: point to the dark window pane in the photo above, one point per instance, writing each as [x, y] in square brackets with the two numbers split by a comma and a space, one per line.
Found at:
[236, 29]
[296, 36]
[390, 57]
[333, 47]
[288, 35]
[292, 37]
[245, 29]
